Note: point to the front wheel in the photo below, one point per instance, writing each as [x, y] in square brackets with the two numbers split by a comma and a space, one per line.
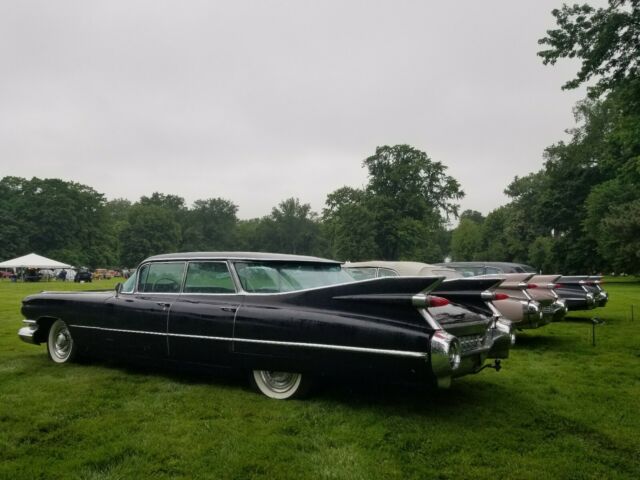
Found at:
[60, 344]
[280, 385]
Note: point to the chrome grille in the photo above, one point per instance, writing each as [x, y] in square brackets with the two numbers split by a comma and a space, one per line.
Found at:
[549, 309]
[470, 342]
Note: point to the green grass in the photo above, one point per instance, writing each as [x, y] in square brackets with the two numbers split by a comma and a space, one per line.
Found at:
[560, 408]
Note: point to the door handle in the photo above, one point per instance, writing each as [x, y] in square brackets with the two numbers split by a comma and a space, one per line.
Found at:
[229, 309]
[163, 305]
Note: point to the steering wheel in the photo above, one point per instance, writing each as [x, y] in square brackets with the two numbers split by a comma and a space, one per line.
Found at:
[168, 281]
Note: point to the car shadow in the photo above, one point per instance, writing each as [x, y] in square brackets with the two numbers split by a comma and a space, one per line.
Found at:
[358, 392]
[538, 341]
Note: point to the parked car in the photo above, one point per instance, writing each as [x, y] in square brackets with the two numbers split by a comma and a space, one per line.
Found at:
[83, 275]
[520, 307]
[537, 288]
[582, 292]
[578, 292]
[283, 318]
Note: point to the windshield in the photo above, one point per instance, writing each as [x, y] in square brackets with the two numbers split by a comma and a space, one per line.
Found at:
[276, 277]
[528, 269]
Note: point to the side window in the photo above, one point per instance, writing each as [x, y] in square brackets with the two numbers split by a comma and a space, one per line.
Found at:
[129, 285]
[361, 273]
[208, 277]
[492, 271]
[387, 272]
[161, 277]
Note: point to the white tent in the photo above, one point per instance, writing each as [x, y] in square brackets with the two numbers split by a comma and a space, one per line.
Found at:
[33, 260]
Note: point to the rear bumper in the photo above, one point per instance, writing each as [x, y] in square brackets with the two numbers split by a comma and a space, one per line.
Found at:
[28, 332]
[602, 298]
[554, 312]
[580, 302]
[496, 343]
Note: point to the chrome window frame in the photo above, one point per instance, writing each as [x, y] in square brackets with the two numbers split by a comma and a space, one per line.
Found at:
[232, 277]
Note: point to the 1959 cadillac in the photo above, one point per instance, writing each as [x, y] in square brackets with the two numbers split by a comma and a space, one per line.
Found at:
[283, 318]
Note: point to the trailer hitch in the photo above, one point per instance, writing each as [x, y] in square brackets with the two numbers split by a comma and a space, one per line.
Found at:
[497, 366]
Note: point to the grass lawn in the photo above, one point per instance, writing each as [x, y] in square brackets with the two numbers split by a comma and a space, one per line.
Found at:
[560, 408]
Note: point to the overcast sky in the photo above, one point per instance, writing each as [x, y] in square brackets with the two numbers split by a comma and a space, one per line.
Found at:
[263, 100]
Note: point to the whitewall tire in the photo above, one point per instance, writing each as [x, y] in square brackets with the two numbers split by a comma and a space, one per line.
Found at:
[279, 385]
[60, 345]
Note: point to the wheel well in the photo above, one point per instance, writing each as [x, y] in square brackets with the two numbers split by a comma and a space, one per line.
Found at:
[44, 324]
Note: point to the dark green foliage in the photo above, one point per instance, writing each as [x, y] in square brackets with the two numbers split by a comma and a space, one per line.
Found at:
[606, 40]
[579, 213]
[290, 228]
[399, 214]
[210, 225]
[63, 220]
[150, 230]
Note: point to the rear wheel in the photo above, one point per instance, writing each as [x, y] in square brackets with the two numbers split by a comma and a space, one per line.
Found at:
[280, 385]
[60, 344]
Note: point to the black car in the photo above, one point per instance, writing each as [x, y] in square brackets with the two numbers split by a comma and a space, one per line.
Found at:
[283, 318]
[83, 275]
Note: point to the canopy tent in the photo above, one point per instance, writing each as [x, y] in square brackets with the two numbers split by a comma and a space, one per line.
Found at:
[33, 260]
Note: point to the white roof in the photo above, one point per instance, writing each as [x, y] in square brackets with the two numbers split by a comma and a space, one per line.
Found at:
[408, 268]
[33, 260]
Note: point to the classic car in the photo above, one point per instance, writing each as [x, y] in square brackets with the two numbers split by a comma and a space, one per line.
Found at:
[578, 292]
[538, 288]
[526, 306]
[83, 275]
[282, 318]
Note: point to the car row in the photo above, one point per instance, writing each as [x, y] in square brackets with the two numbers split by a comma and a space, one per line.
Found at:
[287, 319]
[582, 292]
[527, 300]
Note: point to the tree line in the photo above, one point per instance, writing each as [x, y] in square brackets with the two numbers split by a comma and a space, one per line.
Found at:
[581, 211]
[402, 212]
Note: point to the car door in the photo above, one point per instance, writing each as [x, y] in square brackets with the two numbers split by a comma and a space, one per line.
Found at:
[201, 318]
[136, 322]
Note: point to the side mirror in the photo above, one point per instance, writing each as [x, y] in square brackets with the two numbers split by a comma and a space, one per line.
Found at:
[118, 288]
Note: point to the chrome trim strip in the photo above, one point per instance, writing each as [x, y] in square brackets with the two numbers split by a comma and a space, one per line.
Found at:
[121, 330]
[383, 351]
[348, 348]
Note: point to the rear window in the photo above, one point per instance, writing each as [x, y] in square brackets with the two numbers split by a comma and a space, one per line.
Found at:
[361, 273]
[277, 277]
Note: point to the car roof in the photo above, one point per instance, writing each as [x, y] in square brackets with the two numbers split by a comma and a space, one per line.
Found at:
[261, 256]
[404, 268]
[507, 265]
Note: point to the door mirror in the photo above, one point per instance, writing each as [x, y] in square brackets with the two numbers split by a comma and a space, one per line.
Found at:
[118, 288]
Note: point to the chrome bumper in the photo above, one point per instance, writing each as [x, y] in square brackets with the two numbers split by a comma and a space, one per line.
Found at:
[554, 312]
[28, 332]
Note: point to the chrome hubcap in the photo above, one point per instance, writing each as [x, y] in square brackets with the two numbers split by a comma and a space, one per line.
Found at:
[279, 382]
[63, 342]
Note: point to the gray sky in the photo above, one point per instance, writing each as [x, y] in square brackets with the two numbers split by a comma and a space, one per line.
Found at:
[259, 101]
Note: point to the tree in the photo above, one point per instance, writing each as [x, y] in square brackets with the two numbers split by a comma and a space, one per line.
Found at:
[151, 230]
[466, 240]
[400, 213]
[606, 40]
[349, 225]
[417, 186]
[210, 225]
[290, 228]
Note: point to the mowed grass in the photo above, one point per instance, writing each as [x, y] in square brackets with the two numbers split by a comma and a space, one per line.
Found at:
[560, 408]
